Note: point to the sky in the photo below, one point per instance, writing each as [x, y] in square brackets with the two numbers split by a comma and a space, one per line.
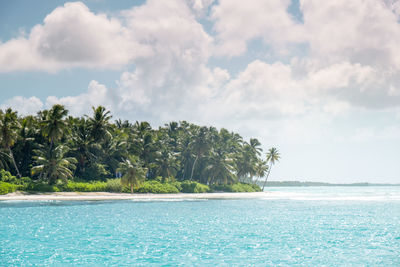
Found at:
[319, 80]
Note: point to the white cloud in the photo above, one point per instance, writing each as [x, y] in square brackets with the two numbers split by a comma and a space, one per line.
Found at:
[359, 31]
[172, 77]
[97, 94]
[174, 74]
[238, 22]
[72, 36]
[24, 105]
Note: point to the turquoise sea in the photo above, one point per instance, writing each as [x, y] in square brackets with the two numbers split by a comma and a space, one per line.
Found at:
[304, 226]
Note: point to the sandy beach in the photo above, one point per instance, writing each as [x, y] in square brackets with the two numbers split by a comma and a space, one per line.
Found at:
[122, 196]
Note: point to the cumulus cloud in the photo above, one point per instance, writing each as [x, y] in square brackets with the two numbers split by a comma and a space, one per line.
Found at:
[364, 32]
[24, 105]
[173, 74]
[96, 94]
[352, 61]
[238, 22]
[71, 36]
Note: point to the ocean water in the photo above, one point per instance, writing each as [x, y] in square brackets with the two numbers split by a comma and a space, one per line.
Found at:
[311, 226]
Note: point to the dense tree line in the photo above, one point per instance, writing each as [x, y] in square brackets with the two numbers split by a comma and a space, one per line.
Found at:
[52, 146]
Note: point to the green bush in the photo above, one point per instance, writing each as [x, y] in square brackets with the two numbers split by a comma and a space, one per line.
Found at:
[41, 187]
[6, 188]
[238, 187]
[85, 187]
[178, 185]
[5, 176]
[24, 181]
[194, 187]
[256, 187]
[157, 188]
[114, 185]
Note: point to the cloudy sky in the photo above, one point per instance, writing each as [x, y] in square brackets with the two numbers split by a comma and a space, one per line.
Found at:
[319, 80]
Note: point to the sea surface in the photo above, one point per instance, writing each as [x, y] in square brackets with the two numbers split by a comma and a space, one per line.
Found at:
[293, 226]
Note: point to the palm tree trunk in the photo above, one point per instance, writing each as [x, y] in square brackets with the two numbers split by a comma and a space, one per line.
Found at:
[13, 161]
[194, 164]
[131, 188]
[265, 182]
[51, 144]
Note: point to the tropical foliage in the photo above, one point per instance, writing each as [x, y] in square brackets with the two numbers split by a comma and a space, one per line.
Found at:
[53, 147]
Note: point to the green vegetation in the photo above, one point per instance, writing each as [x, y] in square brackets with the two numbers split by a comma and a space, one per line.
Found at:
[239, 187]
[135, 174]
[6, 188]
[157, 188]
[64, 153]
[194, 187]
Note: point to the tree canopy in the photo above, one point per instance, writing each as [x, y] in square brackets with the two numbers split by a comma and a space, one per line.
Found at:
[53, 146]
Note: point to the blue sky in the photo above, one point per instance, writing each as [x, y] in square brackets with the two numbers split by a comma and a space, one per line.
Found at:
[320, 81]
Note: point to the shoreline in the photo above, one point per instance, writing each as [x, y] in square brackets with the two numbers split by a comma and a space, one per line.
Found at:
[82, 196]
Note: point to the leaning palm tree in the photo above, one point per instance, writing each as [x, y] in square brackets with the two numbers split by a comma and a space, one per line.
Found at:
[8, 133]
[134, 173]
[53, 165]
[272, 157]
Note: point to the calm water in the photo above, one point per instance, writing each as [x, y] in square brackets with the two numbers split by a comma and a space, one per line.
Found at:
[331, 226]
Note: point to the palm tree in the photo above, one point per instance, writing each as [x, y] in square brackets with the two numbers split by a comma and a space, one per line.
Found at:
[25, 144]
[272, 156]
[166, 163]
[99, 125]
[53, 124]
[82, 147]
[199, 145]
[255, 145]
[114, 150]
[261, 169]
[220, 167]
[245, 163]
[134, 173]
[54, 166]
[8, 133]
[143, 142]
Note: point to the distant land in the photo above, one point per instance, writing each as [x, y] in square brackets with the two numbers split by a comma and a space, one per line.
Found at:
[298, 183]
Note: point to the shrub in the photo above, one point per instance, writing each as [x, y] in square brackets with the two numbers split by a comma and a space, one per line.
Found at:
[256, 187]
[6, 188]
[85, 187]
[24, 181]
[178, 185]
[114, 185]
[194, 187]
[238, 187]
[5, 176]
[222, 187]
[157, 188]
[41, 187]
